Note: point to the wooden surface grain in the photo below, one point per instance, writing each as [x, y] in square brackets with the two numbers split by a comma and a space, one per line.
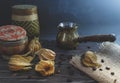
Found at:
[64, 72]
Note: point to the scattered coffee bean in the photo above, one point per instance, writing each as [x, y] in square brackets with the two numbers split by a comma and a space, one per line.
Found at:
[102, 60]
[88, 47]
[100, 69]
[115, 80]
[112, 73]
[94, 68]
[107, 68]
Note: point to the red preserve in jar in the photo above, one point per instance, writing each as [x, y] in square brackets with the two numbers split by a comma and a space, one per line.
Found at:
[13, 40]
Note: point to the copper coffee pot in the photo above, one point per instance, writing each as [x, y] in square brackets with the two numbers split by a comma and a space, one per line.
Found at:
[68, 37]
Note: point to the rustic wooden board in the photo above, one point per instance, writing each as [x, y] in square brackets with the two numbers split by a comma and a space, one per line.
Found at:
[65, 72]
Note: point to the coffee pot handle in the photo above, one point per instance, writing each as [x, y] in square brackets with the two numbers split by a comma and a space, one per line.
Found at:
[97, 38]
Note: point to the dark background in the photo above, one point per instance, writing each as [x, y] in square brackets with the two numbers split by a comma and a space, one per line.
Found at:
[92, 16]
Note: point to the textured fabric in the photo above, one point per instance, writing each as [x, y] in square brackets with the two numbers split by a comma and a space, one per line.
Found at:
[32, 27]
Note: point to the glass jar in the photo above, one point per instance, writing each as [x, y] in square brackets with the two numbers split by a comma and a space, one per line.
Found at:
[13, 40]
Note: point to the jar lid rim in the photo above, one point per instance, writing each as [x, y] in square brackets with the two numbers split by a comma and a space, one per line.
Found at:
[24, 6]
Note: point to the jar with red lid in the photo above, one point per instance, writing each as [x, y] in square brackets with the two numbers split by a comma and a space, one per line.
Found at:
[13, 40]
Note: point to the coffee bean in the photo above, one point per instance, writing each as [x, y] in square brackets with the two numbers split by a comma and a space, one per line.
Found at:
[100, 69]
[102, 60]
[112, 73]
[115, 80]
[88, 47]
[107, 68]
[94, 68]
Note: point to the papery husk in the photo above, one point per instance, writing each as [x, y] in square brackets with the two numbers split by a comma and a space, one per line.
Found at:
[89, 59]
[29, 58]
[18, 68]
[46, 54]
[18, 62]
[34, 45]
[45, 67]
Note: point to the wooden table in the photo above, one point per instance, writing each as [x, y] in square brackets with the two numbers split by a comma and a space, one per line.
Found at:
[64, 72]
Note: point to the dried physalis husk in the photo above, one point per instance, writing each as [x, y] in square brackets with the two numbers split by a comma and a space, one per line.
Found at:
[46, 54]
[19, 62]
[34, 45]
[45, 67]
[89, 59]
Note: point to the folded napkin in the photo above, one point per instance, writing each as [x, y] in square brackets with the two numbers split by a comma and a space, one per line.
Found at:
[109, 72]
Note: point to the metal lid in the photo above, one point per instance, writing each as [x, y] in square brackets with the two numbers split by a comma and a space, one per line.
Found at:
[67, 25]
[24, 9]
[12, 33]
